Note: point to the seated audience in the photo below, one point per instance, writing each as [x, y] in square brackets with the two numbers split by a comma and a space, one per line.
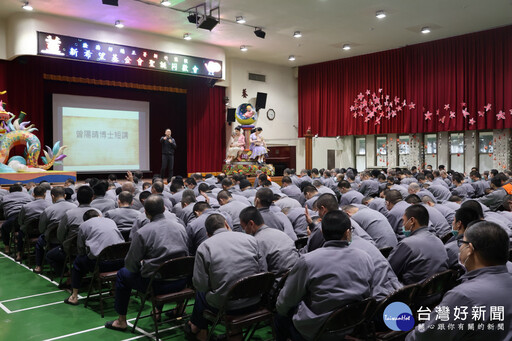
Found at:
[153, 245]
[214, 275]
[421, 254]
[483, 252]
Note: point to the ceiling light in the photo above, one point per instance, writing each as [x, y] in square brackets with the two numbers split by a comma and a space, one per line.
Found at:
[240, 20]
[346, 47]
[425, 30]
[243, 48]
[165, 3]
[26, 6]
[291, 58]
[259, 33]
[297, 34]
[187, 36]
[380, 14]
[119, 24]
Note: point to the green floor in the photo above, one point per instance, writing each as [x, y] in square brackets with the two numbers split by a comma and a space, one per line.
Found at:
[32, 308]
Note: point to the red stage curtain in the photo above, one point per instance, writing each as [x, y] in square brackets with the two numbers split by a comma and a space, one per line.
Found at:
[473, 68]
[205, 116]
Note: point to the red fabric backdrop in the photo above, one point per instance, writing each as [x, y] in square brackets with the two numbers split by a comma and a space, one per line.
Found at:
[196, 114]
[474, 69]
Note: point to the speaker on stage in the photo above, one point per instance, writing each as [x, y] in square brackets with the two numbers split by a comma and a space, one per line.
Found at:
[261, 100]
[231, 115]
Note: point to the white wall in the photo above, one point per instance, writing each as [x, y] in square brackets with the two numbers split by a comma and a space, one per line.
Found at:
[281, 89]
[3, 38]
[22, 38]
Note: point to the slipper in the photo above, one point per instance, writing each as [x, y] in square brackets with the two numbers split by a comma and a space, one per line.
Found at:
[188, 332]
[110, 325]
[37, 272]
[67, 301]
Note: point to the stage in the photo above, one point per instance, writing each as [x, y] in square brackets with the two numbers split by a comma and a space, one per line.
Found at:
[50, 176]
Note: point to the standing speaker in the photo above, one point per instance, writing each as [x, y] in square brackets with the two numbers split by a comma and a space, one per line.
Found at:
[231, 115]
[261, 100]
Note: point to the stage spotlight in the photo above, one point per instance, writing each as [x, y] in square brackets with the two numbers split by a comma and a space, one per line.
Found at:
[243, 48]
[425, 30]
[259, 33]
[165, 3]
[291, 58]
[240, 20]
[187, 36]
[297, 34]
[380, 14]
[346, 47]
[119, 24]
[192, 18]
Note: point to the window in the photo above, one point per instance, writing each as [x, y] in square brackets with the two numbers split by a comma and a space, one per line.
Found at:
[457, 152]
[381, 152]
[485, 151]
[404, 150]
[360, 153]
[431, 150]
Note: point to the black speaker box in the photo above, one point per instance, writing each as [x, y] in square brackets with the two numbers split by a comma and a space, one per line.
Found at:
[261, 100]
[231, 115]
[110, 2]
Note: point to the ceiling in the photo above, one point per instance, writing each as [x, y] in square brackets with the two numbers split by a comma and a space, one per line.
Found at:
[325, 24]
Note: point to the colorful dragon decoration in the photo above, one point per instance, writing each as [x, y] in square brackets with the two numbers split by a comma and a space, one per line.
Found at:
[14, 132]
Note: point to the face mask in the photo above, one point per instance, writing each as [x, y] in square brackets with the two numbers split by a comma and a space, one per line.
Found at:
[455, 233]
[463, 264]
[406, 233]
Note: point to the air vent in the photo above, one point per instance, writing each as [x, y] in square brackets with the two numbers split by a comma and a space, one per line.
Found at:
[256, 77]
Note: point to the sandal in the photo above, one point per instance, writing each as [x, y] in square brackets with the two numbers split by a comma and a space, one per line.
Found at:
[110, 325]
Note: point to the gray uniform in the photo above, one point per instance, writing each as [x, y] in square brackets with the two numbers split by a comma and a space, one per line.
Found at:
[377, 226]
[385, 278]
[52, 215]
[447, 212]
[439, 223]
[441, 193]
[439, 181]
[452, 250]
[325, 189]
[424, 192]
[292, 191]
[31, 211]
[403, 190]
[461, 192]
[379, 204]
[11, 203]
[233, 209]
[369, 188]
[395, 216]
[309, 203]
[159, 241]
[142, 220]
[287, 202]
[485, 288]
[297, 217]
[223, 259]
[277, 249]
[418, 257]
[96, 234]
[103, 204]
[316, 288]
[351, 197]
[249, 192]
[124, 217]
[196, 231]
[278, 220]
[295, 180]
[70, 222]
[494, 199]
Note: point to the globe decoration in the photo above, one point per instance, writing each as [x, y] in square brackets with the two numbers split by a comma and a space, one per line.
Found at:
[245, 114]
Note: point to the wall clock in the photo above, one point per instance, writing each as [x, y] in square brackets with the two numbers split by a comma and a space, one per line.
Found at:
[271, 114]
